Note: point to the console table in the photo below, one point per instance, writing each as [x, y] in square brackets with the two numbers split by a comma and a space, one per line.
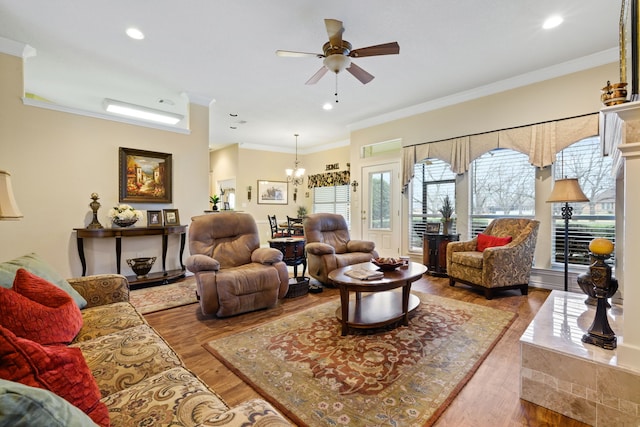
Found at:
[119, 233]
[434, 252]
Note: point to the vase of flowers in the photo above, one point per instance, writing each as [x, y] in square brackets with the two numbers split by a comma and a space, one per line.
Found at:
[446, 211]
[124, 215]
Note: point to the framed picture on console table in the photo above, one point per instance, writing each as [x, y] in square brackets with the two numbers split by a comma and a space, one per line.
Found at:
[154, 218]
[272, 193]
[145, 176]
[171, 217]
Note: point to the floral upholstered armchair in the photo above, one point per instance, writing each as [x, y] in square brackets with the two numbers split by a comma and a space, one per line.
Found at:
[499, 258]
[329, 245]
[233, 273]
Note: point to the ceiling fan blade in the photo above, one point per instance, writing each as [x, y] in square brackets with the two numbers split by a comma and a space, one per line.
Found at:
[317, 76]
[381, 49]
[334, 30]
[288, 53]
[360, 74]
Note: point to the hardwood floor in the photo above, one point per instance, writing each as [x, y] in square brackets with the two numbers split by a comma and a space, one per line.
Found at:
[490, 398]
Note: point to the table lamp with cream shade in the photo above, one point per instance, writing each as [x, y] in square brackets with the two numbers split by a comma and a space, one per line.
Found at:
[8, 207]
[564, 191]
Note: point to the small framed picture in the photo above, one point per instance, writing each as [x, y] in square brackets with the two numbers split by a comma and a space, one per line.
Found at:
[433, 227]
[154, 218]
[171, 217]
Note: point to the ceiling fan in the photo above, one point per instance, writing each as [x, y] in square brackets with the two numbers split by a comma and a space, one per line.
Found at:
[337, 54]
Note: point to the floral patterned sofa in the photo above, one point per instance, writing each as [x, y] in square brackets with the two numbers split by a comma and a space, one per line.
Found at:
[141, 380]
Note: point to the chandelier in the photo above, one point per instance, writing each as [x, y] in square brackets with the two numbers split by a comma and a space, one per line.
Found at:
[295, 175]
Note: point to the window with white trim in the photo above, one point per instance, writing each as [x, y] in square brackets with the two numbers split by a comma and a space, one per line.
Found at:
[333, 200]
[595, 218]
[432, 181]
[502, 185]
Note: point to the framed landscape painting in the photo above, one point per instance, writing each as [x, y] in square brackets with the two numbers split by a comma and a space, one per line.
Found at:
[272, 193]
[145, 176]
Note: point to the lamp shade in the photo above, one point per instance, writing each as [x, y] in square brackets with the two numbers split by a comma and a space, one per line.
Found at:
[567, 190]
[8, 206]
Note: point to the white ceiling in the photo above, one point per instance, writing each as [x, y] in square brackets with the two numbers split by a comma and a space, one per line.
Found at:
[224, 51]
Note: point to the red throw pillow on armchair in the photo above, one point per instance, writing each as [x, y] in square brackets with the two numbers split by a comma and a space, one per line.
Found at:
[485, 241]
[59, 369]
[39, 311]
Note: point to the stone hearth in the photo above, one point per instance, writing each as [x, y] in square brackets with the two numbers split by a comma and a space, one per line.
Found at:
[560, 372]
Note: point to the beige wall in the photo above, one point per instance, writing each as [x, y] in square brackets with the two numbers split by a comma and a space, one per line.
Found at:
[567, 96]
[58, 159]
[249, 165]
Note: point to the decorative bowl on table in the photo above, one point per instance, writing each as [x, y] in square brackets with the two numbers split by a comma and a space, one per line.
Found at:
[141, 266]
[387, 264]
[125, 222]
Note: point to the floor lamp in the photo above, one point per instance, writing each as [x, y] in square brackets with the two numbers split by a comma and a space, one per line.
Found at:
[565, 191]
[8, 206]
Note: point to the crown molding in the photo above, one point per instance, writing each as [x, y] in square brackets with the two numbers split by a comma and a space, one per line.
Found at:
[580, 64]
[14, 48]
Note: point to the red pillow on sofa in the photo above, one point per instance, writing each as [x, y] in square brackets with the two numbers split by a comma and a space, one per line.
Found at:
[59, 369]
[485, 241]
[39, 311]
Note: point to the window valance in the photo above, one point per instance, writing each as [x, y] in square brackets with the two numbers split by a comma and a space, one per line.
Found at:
[329, 179]
[539, 141]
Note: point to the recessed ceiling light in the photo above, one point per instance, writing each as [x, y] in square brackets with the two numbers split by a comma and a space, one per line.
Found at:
[135, 33]
[327, 106]
[552, 22]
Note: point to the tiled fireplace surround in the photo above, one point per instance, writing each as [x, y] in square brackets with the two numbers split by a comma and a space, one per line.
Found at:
[558, 371]
[582, 381]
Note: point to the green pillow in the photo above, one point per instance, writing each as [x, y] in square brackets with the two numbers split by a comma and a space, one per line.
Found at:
[36, 265]
[21, 405]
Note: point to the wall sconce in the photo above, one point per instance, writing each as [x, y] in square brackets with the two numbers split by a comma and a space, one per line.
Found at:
[295, 194]
[354, 185]
[249, 193]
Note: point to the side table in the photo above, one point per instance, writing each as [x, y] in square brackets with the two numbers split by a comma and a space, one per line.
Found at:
[293, 253]
[434, 252]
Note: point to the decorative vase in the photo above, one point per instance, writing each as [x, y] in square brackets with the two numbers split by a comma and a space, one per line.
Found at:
[445, 227]
[585, 280]
[125, 222]
[214, 207]
[614, 94]
[141, 266]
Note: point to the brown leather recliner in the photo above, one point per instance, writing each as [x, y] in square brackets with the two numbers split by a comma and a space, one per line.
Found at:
[233, 273]
[329, 246]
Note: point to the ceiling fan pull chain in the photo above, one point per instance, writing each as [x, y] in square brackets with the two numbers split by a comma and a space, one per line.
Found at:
[336, 94]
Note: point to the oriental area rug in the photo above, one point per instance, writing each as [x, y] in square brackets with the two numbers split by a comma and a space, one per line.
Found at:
[404, 376]
[156, 298]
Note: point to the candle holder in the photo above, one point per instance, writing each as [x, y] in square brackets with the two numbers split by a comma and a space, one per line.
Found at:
[602, 286]
[95, 205]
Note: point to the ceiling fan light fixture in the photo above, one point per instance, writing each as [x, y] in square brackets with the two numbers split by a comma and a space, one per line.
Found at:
[337, 62]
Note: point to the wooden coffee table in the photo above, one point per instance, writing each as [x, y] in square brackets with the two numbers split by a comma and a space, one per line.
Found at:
[382, 305]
